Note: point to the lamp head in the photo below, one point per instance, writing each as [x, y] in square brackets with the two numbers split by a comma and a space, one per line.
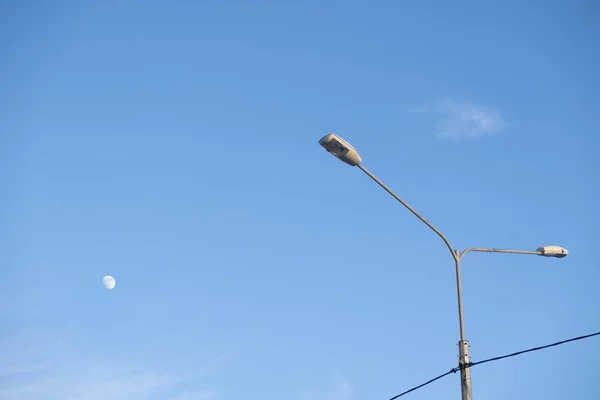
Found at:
[341, 149]
[553, 251]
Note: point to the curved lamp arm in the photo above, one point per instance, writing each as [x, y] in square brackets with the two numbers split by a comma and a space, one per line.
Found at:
[454, 253]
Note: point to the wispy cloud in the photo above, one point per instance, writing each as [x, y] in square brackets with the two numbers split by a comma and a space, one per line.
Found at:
[196, 395]
[332, 386]
[34, 367]
[343, 388]
[462, 120]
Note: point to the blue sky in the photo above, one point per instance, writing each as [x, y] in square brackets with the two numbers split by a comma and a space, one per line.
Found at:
[173, 145]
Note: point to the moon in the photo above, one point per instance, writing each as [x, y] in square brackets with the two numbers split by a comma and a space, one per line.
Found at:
[109, 282]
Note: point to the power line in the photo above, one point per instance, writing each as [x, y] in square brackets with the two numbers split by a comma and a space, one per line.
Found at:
[454, 370]
[534, 349]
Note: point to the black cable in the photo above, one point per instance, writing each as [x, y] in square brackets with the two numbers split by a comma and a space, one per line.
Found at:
[533, 349]
[453, 370]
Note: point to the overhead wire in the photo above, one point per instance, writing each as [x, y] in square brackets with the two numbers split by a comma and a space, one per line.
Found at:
[533, 349]
[454, 370]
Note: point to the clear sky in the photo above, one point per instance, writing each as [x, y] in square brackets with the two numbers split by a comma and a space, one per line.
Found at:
[173, 145]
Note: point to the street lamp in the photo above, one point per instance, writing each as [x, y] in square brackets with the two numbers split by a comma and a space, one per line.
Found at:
[348, 154]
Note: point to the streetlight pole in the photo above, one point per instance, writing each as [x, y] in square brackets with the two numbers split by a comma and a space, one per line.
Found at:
[348, 154]
[463, 345]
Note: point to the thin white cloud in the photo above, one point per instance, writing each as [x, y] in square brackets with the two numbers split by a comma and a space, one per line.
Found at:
[196, 395]
[36, 367]
[331, 386]
[462, 120]
[343, 388]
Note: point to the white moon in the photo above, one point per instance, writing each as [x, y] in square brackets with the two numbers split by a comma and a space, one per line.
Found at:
[109, 282]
